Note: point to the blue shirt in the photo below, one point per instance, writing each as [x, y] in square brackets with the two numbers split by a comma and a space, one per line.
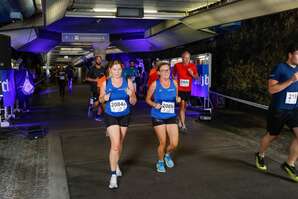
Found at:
[130, 72]
[167, 98]
[287, 98]
[118, 104]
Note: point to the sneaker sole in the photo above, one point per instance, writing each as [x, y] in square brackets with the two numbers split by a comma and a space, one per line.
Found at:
[159, 171]
[113, 187]
[264, 169]
[168, 165]
[290, 174]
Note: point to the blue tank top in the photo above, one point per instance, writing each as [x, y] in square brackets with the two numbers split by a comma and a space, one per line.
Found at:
[118, 104]
[167, 98]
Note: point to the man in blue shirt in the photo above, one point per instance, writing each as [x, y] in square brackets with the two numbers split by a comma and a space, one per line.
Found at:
[131, 72]
[283, 86]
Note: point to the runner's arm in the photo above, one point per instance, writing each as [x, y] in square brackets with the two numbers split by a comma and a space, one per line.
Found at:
[132, 97]
[150, 94]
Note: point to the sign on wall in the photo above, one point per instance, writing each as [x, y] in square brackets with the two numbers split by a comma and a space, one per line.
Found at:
[8, 87]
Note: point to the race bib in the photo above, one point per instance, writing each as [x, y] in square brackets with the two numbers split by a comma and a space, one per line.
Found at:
[62, 78]
[118, 106]
[184, 82]
[167, 107]
[291, 97]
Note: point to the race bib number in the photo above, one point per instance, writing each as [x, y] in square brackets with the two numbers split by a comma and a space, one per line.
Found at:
[184, 82]
[118, 106]
[291, 97]
[167, 107]
[62, 78]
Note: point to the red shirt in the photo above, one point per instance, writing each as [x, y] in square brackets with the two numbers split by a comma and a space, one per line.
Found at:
[153, 76]
[184, 79]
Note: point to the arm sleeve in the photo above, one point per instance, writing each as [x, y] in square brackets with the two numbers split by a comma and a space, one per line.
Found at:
[275, 73]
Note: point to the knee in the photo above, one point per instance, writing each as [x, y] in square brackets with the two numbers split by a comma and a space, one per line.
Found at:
[174, 145]
[162, 144]
[270, 137]
[116, 148]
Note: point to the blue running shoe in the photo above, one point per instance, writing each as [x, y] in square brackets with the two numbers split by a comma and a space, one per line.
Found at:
[160, 167]
[169, 161]
[98, 118]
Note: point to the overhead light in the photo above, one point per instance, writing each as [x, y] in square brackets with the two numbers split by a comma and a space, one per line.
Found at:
[164, 15]
[150, 11]
[104, 9]
[65, 57]
[71, 49]
[133, 13]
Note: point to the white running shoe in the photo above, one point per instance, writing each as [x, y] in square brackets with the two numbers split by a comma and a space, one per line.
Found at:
[118, 172]
[113, 182]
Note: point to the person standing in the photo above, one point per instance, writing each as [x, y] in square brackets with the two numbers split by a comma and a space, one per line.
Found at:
[185, 72]
[283, 109]
[162, 96]
[61, 75]
[118, 94]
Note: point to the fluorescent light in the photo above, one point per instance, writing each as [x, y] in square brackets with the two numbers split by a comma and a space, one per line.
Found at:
[150, 11]
[71, 49]
[104, 9]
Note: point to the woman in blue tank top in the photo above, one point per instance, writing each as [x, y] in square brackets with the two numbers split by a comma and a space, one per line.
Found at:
[162, 96]
[118, 94]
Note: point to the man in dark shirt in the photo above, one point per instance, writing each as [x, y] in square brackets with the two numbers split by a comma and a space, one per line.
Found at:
[96, 72]
[61, 75]
[283, 86]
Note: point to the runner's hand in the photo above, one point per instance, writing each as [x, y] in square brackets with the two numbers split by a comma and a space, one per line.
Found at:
[132, 100]
[157, 106]
[128, 92]
[107, 97]
[190, 71]
[178, 99]
[295, 77]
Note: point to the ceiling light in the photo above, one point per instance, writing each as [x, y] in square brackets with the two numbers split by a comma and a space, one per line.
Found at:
[104, 9]
[150, 11]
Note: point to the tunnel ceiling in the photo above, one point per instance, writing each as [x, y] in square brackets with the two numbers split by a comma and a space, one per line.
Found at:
[166, 23]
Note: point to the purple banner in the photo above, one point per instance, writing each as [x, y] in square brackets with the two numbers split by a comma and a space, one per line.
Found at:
[200, 87]
[8, 87]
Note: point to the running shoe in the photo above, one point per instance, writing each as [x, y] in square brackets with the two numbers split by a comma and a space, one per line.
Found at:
[260, 163]
[160, 167]
[113, 182]
[168, 160]
[118, 172]
[290, 170]
[98, 118]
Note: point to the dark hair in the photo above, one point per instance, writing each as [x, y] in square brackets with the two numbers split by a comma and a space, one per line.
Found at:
[160, 64]
[292, 48]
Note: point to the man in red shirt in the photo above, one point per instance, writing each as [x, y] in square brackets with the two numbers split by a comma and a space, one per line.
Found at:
[184, 73]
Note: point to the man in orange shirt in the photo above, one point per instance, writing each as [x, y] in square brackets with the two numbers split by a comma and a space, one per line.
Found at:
[153, 76]
[184, 72]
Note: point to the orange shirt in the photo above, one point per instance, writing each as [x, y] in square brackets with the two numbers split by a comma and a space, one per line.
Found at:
[100, 81]
[184, 79]
[153, 76]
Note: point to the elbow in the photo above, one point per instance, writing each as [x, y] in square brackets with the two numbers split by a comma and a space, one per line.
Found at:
[272, 91]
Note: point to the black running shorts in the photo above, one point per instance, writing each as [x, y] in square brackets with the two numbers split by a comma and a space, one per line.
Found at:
[157, 122]
[122, 121]
[276, 119]
[184, 95]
